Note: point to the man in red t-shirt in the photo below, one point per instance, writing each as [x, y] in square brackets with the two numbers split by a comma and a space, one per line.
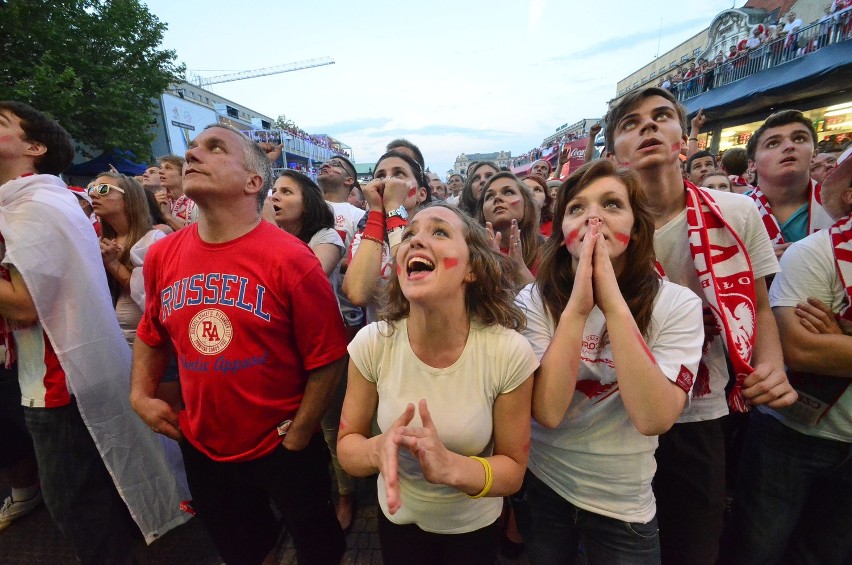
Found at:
[260, 345]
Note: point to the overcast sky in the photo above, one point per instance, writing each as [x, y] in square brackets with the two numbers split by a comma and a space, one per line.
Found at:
[451, 76]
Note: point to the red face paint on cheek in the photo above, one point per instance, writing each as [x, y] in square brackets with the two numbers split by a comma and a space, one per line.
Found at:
[645, 347]
[676, 146]
[398, 270]
[450, 262]
[622, 238]
[412, 191]
[516, 203]
[571, 237]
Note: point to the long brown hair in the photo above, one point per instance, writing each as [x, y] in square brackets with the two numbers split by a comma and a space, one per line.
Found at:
[489, 299]
[639, 282]
[528, 225]
[137, 212]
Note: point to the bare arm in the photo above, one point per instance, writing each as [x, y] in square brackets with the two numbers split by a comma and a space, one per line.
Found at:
[589, 153]
[821, 353]
[361, 281]
[149, 364]
[556, 377]
[329, 255]
[768, 383]
[696, 124]
[652, 401]
[511, 438]
[15, 300]
[322, 382]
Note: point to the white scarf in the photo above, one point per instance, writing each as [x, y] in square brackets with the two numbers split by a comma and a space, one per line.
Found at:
[51, 243]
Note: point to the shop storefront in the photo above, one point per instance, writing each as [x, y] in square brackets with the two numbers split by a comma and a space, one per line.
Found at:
[832, 123]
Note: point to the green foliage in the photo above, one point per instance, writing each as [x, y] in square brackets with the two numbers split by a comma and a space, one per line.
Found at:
[283, 122]
[93, 65]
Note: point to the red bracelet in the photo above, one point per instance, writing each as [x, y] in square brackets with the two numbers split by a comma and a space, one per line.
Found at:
[375, 228]
[395, 222]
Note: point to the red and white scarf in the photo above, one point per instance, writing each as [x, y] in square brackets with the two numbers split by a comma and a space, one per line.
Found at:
[725, 273]
[818, 218]
[841, 241]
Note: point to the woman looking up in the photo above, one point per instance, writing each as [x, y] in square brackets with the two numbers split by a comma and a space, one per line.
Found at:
[477, 175]
[618, 349]
[509, 213]
[446, 375]
[397, 189]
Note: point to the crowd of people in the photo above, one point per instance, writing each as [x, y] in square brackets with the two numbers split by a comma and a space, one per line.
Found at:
[586, 368]
[767, 46]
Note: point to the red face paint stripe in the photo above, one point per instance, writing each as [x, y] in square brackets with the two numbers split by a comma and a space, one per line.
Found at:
[572, 235]
[645, 347]
[622, 238]
[412, 192]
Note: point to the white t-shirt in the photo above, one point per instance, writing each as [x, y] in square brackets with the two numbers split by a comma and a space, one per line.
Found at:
[671, 245]
[808, 269]
[346, 218]
[596, 458]
[454, 200]
[326, 235]
[461, 399]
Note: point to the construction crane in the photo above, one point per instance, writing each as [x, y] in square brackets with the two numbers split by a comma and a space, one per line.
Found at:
[242, 75]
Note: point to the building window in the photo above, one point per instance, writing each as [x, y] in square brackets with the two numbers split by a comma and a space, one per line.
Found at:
[696, 52]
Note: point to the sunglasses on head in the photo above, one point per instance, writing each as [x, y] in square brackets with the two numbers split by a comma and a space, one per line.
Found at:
[103, 189]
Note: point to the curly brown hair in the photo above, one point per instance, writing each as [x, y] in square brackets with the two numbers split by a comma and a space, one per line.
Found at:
[639, 282]
[489, 299]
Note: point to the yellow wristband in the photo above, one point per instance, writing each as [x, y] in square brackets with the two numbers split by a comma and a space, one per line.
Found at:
[489, 477]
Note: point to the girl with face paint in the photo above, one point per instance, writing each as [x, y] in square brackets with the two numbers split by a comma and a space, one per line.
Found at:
[446, 376]
[509, 213]
[618, 350]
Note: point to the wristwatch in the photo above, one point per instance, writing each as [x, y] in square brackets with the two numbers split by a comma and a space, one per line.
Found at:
[400, 212]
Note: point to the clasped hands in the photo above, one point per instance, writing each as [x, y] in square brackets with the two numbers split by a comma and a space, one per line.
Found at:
[422, 442]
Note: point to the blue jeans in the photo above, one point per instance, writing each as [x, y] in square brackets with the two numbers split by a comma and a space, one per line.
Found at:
[794, 498]
[78, 491]
[553, 529]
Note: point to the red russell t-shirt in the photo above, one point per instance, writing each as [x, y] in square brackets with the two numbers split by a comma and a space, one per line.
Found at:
[248, 319]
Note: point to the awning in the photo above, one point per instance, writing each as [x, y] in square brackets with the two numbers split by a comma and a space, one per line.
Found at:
[824, 72]
[121, 160]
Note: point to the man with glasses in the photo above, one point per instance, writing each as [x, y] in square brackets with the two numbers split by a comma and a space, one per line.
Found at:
[73, 368]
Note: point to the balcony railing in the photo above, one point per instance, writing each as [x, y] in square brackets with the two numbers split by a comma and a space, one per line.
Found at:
[806, 40]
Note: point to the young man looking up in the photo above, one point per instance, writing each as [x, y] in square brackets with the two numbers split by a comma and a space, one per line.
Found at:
[699, 165]
[803, 451]
[178, 209]
[781, 150]
[646, 131]
[95, 459]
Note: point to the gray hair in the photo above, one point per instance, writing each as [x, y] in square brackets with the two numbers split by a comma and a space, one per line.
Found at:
[254, 160]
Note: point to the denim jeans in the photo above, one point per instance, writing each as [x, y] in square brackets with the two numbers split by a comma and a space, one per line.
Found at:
[794, 498]
[553, 529]
[78, 491]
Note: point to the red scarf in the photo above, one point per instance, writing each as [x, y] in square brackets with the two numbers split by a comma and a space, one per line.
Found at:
[841, 241]
[816, 214]
[725, 273]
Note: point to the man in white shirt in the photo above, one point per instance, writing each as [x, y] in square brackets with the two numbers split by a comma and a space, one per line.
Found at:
[646, 132]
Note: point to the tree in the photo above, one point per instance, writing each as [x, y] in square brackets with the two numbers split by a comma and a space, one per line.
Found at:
[93, 65]
[283, 122]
